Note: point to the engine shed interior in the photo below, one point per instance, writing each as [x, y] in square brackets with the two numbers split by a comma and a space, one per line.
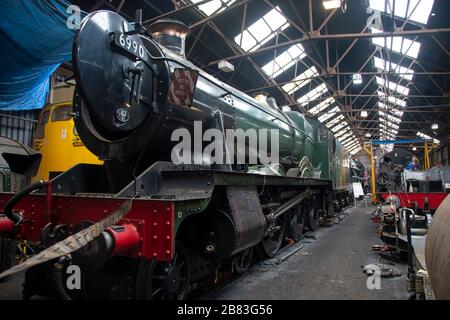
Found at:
[223, 150]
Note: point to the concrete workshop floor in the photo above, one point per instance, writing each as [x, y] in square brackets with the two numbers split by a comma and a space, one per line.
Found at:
[326, 268]
[12, 288]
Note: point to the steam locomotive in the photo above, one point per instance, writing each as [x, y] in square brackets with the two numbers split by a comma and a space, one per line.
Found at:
[182, 222]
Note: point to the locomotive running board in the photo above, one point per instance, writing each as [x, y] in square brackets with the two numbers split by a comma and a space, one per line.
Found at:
[165, 180]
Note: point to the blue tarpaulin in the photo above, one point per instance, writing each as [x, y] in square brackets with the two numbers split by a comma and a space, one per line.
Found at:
[34, 41]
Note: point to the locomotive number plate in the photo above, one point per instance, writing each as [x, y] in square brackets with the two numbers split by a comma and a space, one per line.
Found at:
[130, 45]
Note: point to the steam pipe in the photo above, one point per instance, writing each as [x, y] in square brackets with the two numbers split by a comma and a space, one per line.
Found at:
[9, 206]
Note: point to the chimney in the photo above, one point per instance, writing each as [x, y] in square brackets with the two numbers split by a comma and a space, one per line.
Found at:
[171, 34]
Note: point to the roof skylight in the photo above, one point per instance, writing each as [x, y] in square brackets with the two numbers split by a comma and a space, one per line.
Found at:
[389, 126]
[427, 137]
[388, 147]
[339, 127]
[334, 121]
[260, 32]
[352, 146]
[389, 117]
[284, 61]
[300, 81]
[313, 94]
[387, 135]
[392, 100]
[346, 138]
[323, 105]
[329, 114]
[393, 86]
[404, 8]
[390, 109]
[355, 151]
[387, 66]
[213, 6]
[398, 44]
[340, 133]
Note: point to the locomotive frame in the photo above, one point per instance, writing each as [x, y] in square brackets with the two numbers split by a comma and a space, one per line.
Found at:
[169, 217]
[185, 221]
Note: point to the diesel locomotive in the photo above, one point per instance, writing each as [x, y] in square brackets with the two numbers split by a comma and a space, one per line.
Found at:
[142, 226]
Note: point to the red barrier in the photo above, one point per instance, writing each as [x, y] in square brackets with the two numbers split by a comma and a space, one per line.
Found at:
[408, 198]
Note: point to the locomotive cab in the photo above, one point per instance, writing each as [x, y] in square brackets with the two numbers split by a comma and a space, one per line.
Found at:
[56, 138]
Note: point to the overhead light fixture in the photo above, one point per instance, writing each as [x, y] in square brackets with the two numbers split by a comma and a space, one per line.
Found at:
[368, 135]
[225, 66]
[414, 149]
[364, 114]
[357, 79]
[331, 4]
[434, 126]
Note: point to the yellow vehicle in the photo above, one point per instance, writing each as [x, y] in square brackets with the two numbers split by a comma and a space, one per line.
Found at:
[55, 137]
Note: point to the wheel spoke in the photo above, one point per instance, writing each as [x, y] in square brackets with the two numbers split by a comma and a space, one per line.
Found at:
[169, 280]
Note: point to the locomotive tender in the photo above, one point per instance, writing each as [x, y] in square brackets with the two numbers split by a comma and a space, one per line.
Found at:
[186, 221]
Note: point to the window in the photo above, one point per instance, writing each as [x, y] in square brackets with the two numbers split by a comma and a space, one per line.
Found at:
[300, 81]
[340, 133]
[427, 137]
[352, 146]
[346, 138]
[334, 121]
[262, 30]
[329, 114]
[62, 113]
[392, 100]
[390, 109]
[393, 86]
[323, 135]
[389, 130]
[389, 126]
[323, 105]
[387, 136]
[284, 61]
[214, 6]
[387, 66]
[389, 117]
[404, 8]
[313, 94]
[40, 127]
[397, 44]
[339, 127]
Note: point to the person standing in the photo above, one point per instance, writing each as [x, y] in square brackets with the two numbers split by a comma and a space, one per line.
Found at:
[413, 165]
